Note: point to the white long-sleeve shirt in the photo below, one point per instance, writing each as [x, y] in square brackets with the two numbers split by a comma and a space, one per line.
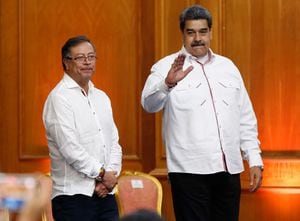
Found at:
[82, 137]
[208, 119]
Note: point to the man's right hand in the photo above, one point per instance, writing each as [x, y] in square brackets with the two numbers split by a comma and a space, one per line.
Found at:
[107, 184]
[176, 72]
[101, 190]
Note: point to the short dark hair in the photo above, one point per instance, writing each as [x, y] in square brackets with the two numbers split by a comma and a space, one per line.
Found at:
[194, 12]
[71, 42]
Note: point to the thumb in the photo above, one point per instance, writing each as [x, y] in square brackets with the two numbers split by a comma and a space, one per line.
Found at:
[188, 70]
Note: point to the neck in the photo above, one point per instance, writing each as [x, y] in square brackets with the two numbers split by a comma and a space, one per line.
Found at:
[82, 82]
[84, 86]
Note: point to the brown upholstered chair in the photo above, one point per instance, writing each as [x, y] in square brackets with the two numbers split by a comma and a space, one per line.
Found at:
[137, 190]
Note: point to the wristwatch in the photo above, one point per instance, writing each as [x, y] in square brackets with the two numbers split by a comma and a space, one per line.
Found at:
[261, 168]
[100, 176]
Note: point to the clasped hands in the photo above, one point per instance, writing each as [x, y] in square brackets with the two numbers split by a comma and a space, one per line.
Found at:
[110, 180]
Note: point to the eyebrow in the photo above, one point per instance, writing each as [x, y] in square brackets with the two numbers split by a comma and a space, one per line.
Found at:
[200, 30]
[83, 54]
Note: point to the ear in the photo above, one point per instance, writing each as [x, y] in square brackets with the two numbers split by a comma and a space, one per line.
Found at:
[66, 63]
[210, 34]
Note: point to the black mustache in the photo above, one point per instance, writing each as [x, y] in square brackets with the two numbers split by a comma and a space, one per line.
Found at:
[197, 44]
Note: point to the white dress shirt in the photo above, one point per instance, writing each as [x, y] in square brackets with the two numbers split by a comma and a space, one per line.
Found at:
[208, 119]
[82, 137]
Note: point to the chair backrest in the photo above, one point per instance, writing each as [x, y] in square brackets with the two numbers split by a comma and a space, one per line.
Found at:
[137, 190]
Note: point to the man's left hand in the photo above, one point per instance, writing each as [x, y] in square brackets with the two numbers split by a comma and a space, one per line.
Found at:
[255, 174]
[110, 180]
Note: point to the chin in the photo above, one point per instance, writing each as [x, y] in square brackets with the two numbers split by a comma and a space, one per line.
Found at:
[200, 54]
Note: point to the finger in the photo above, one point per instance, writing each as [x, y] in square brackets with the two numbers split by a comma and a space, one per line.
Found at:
[102, 189]
[256, 182]
[255, 187]
[175, 66]
[188, 70]
[179, 60]
[98, 187]
[181, 57]
[252, 188]
[251, 182]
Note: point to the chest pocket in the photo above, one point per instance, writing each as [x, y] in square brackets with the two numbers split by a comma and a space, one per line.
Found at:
[229, 92]
[188, 96]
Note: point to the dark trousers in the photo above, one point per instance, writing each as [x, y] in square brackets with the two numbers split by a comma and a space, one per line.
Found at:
[80, 207]
[211, 197]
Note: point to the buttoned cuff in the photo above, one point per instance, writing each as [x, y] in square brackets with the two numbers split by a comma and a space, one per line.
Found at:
[255, 160]
[95, 172]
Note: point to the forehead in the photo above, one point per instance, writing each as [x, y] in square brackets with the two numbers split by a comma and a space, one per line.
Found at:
[196, 24]
[84, 48]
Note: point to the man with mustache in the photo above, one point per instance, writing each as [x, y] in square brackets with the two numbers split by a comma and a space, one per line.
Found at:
[82, 139]
[209, 125]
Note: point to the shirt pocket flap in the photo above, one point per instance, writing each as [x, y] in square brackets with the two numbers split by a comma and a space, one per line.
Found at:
[182, 86]
[229, 83]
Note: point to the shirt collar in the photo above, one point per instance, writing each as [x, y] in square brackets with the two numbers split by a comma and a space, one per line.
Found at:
[191, 58]
[70, 83]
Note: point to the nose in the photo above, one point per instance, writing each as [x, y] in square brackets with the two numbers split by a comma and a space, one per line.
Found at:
[86, 60]
[197, 36]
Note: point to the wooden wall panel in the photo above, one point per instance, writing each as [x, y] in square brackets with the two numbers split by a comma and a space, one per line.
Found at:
[264, 43]
[278, 204]
[261, 37]
[32, 34]
[42, 67]
[8, 84]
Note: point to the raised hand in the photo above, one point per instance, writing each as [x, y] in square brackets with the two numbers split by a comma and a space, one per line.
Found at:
[176, 72]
